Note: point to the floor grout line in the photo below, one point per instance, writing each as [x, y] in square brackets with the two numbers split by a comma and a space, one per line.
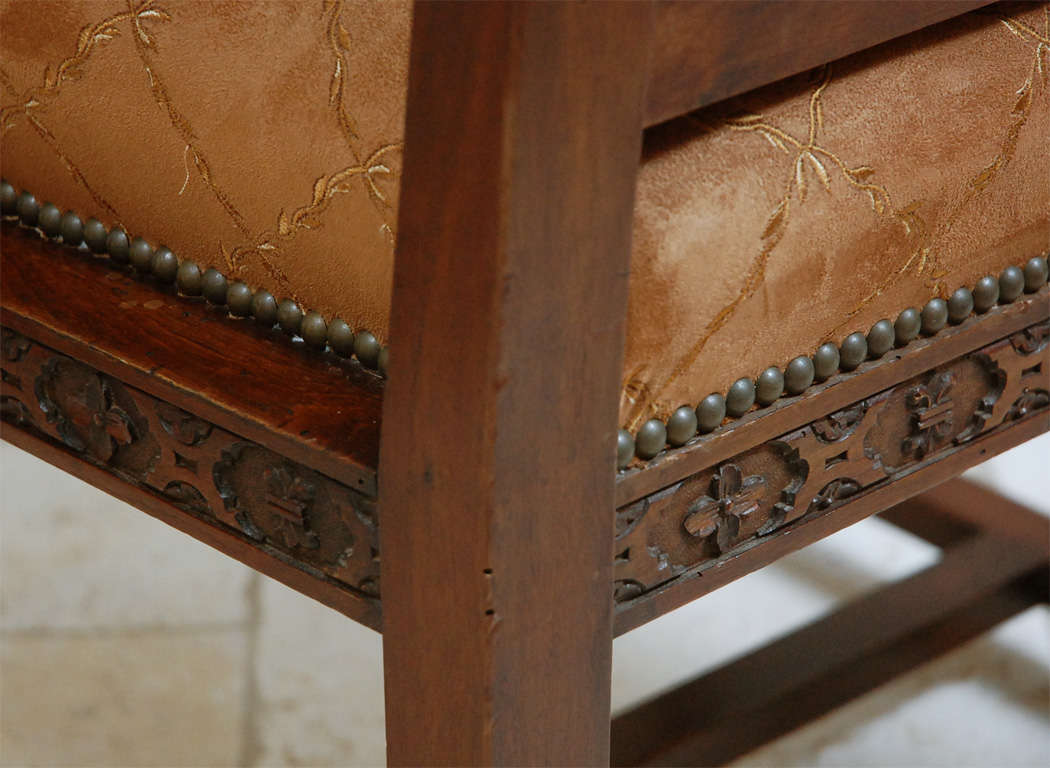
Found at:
[251, 748]
[104, 631]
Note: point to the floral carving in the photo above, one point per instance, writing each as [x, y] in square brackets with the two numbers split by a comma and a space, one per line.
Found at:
[798, 477]
[931, 409]
[732, 499]
[1030, 400]
[837, 490]
[14, 410]
[301, 516]
[81, 405]
[840, 424]
[290, 497]
[295, 509]
[1032, 339]
[186, 497]
[183, 426]
[13, 345]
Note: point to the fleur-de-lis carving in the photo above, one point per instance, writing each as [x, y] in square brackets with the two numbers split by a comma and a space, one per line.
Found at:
[290, 497]
[733, 498]
[82, 406]
[931, 409]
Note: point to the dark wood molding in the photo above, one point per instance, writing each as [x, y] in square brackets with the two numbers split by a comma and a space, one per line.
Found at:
[707, 51]
[183, 466]
[728, 519]
[313, 408]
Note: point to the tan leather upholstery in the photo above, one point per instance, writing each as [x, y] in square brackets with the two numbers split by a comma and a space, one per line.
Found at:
[263, 138]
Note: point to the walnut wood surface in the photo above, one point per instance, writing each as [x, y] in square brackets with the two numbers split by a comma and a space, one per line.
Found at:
[500, 415]
[708, 50]
[729, 519]
[988, 575]
[314, 408]
[306, 529]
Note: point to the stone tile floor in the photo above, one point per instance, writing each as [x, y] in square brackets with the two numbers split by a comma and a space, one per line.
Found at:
[126, 643]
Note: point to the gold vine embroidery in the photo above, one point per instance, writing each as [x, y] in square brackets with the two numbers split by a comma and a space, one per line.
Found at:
[326, 186]
[808, 160]
[144, 44]
[338, 38]
[983, 179]
[309, 216]
[89, 39]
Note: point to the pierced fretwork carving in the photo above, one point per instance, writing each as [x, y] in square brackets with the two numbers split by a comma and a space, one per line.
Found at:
[694, 524]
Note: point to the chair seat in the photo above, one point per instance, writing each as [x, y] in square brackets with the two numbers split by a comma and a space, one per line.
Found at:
[264, 140]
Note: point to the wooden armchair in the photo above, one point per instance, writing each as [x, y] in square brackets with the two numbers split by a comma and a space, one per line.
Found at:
[481, 480]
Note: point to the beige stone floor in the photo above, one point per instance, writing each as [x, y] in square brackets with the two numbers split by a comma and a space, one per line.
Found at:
[126, 643]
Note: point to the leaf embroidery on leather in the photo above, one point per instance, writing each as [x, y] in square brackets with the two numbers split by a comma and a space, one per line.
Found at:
[809, 170]
[809, 166]
[90, 38]
[927, 255]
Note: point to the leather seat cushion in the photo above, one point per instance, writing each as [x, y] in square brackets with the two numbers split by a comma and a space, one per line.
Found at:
[264, 139]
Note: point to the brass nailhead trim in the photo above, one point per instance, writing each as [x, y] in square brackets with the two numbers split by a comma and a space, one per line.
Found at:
[654, 436]
[126, 252]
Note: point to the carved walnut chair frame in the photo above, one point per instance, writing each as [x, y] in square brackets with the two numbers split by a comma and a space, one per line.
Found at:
[504, 528]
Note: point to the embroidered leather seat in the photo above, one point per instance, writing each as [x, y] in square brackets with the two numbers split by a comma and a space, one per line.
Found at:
[265, 141]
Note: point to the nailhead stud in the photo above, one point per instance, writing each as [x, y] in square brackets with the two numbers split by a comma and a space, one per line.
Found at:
[985, 294]
[880, 339]
[798, 375]
[117, 245]
[164, 265]
[907, 326]
[239, 299]
[624, 448]
[1035, 274]
[366, 347]
[960, 305]
[825, 361]
[8, 199]
[95, 234]
[214, 287]
[384, 360]
[711, 412]
[853, 352]
[289, 316]
[188, 278]
[71, 228]
[741, 397]
[934, 316]
[651, 439]
[314, 329]
[1011, 284]
[50, 219]
[28, 209]
[140, 253]
[340, 337]
[264, 308]
[770, 386]
[681, 427]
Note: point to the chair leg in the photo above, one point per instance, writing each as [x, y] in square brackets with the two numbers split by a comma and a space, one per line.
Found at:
[996, 564]
[497, 455]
